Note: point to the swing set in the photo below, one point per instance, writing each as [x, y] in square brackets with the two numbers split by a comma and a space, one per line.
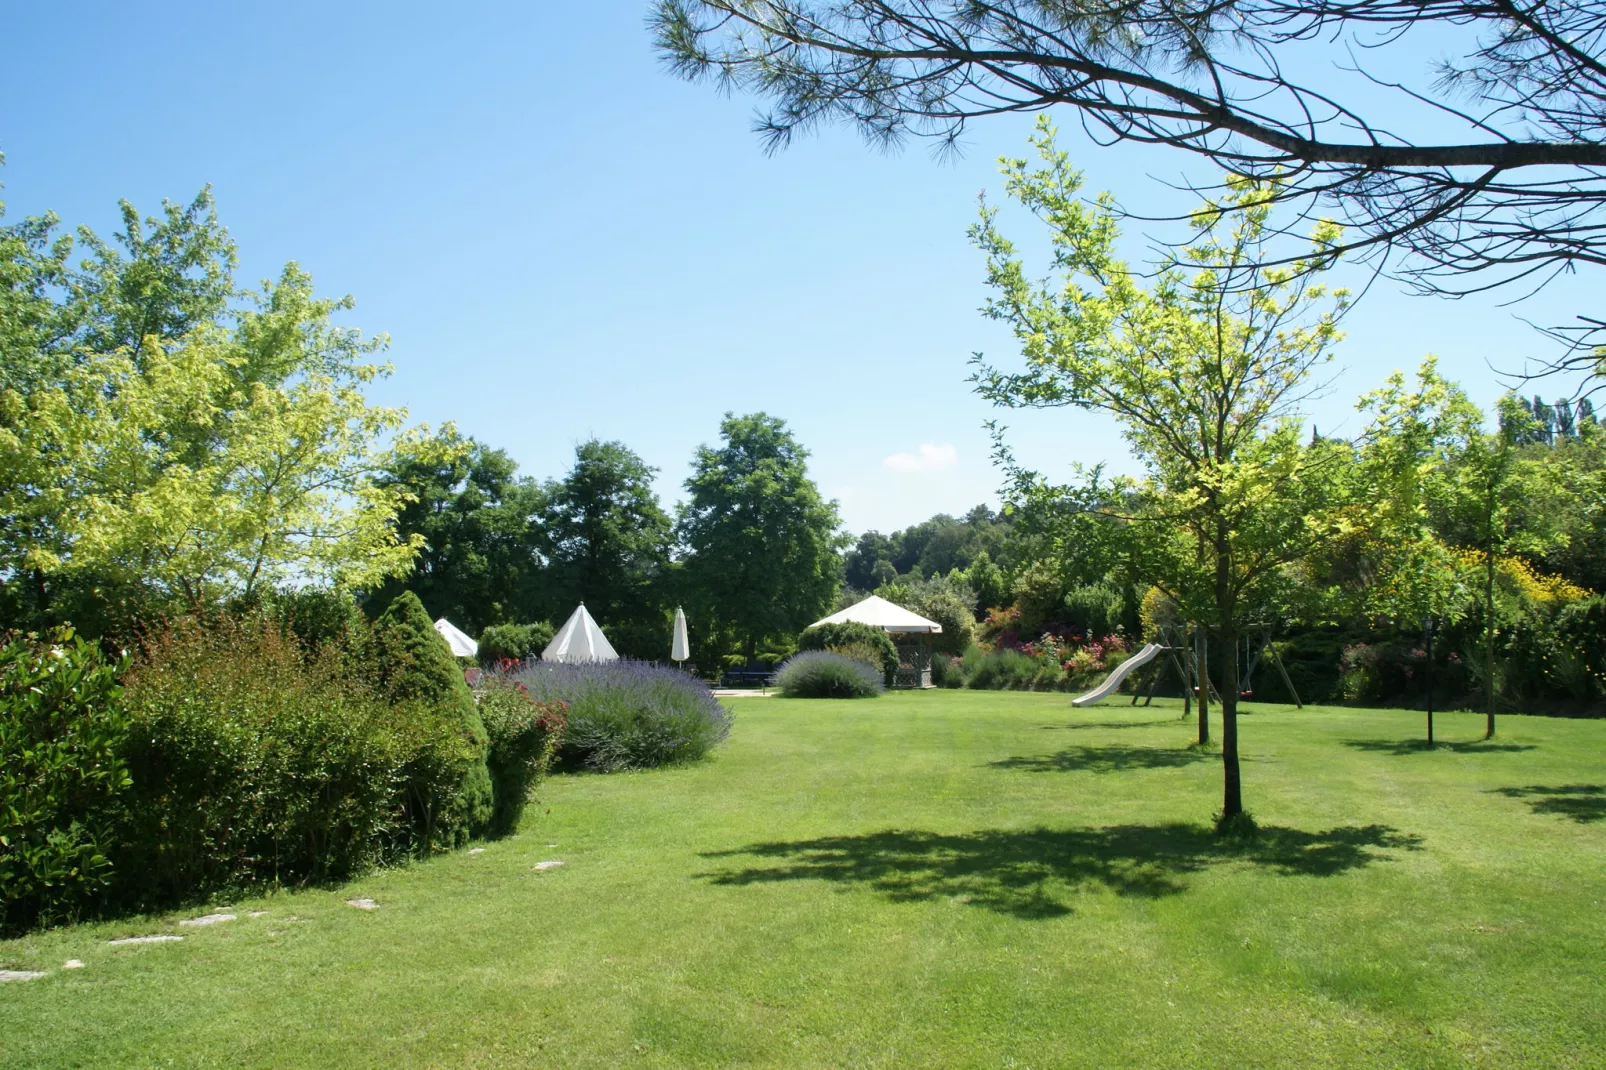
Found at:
[1188, 651]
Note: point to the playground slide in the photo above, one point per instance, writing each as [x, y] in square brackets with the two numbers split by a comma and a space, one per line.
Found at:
[1113, 681]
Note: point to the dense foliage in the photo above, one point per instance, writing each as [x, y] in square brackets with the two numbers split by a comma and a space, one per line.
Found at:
[628, 714]
[257, 761]
[166, 438]
[477, 524]
[513, 642]
[62, 775]
[762, 540]
[415, 666]
[871, 644]
[824, 674]
[524, 736]
[608, 540]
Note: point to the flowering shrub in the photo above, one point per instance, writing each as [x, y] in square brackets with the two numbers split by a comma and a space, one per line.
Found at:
[524, 738]
[822, 674]
[628, 714]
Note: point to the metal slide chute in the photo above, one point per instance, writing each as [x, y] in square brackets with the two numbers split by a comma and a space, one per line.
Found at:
[1113, 681]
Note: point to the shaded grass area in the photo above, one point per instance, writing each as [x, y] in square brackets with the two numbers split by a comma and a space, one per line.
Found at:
[1583, 803]
[931, 879]
[1014, 872]
[1109, 758]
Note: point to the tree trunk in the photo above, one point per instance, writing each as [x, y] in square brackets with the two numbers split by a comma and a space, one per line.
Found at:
[1430, 680]
[1232, 796]
[1488, 634]
[1201, 669]
[1232, 799]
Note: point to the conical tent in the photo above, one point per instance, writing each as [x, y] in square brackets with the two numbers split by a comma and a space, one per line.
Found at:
[679, 646]
[580, 639]
[462, 646]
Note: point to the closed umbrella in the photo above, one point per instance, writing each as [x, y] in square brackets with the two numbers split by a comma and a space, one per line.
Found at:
[679, 647]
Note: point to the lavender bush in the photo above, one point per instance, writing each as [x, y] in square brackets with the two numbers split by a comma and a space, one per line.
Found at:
[822, 674]
[628, 714]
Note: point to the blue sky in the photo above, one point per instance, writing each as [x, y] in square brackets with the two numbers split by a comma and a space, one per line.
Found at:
[563, 241]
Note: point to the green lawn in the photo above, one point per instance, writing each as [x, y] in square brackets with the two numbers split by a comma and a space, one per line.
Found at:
[942, 879]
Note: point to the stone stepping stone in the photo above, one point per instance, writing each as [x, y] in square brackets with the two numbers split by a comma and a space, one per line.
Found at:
[476, 850]
[164, 938]
[362, 904]
[258, 913]
[553, 864]
[20, 975]
[207, 919]
[73, 964]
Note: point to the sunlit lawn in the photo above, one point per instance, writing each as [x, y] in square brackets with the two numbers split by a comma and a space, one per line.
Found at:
[939, 879]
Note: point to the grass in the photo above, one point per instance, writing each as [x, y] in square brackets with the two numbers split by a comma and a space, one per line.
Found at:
[941, 879]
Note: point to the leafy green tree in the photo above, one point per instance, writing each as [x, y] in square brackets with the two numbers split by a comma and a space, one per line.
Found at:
[1491, 485]
[609, 544]
[1407, 456]
[479, 528]
[170, 276]
[760, 542]
[208, 466]
[1203, 370]
[861, 568]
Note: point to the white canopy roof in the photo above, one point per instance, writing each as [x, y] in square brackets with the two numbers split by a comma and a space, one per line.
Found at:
[580, 639]
[462, 646]
[879, 613]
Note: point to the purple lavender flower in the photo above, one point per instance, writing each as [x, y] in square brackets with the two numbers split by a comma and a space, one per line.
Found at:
[628, 714]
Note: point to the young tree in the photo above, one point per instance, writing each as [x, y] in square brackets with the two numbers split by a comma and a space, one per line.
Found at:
[760, 542]
[1492, 482]
[608, 539]
[1408, 456]
[1203, 370]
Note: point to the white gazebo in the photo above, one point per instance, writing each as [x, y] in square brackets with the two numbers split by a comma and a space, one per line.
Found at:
[580, 639]
[911, 634]
[462, 646]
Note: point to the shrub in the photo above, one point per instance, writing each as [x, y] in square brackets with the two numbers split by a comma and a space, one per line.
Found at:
[1039, 593]
[953, 611]
[1094, 610]
[255, 761]
[316, 616]
[822, 674]
[947, 671]
[415, 667]
[1581, 628]
[628, 714]
[61, 774]
[513, 642]
[524, 737]
[851, 634]
[1001, 670]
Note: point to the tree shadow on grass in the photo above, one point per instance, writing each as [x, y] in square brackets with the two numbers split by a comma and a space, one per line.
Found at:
[1110, 724]
[1114, 758]
[1584, 803]
[1027, 872]
[1421, 746]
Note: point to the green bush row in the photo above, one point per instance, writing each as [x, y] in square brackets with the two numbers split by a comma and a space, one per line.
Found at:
[233, 755]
